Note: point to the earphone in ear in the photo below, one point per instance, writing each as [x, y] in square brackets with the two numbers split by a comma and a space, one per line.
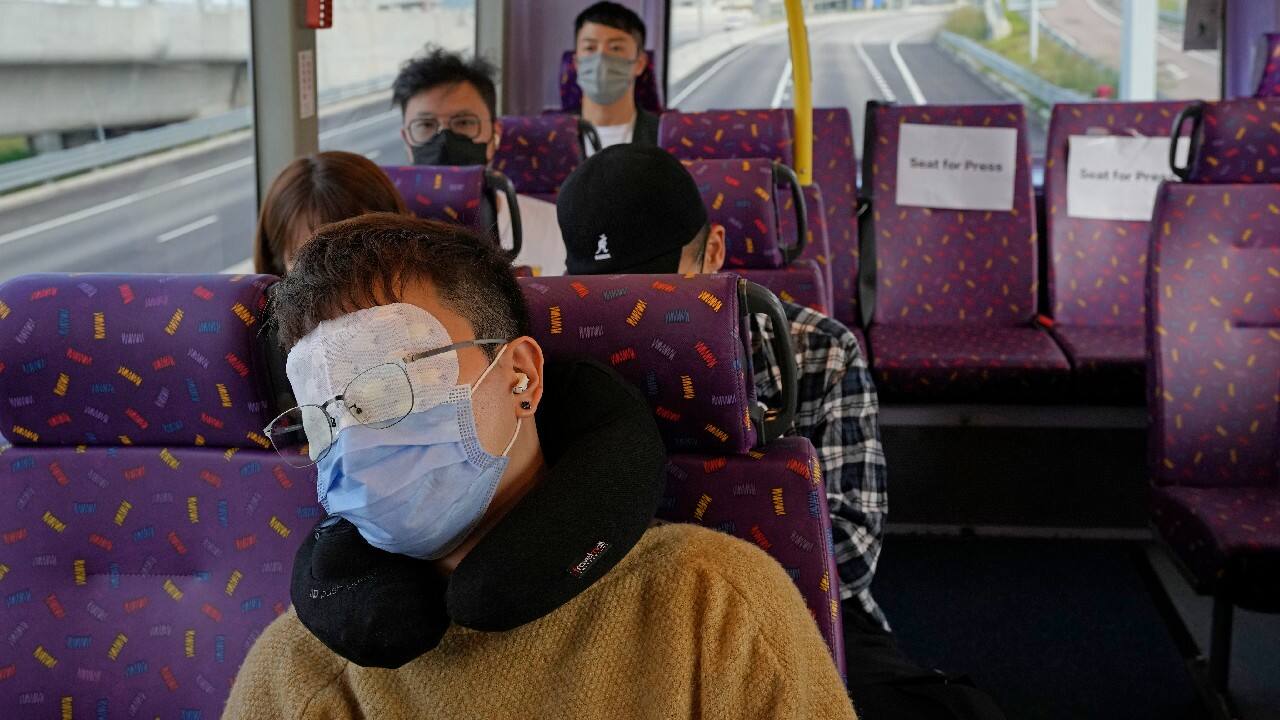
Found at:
[522, 385]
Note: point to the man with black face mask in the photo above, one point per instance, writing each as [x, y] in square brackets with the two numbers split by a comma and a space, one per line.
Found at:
[609, 54]
[448, 108]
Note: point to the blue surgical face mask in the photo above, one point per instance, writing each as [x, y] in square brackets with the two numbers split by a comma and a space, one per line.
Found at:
[419, 487]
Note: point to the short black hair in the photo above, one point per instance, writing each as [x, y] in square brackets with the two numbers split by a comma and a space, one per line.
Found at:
[436, 66]
[368, 260]
[611, 14]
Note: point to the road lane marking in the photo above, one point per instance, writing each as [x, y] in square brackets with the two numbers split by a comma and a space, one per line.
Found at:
[190, 227]
[371, 120]
[139, 196]
[905, 71]
[373, 154]
[874, 72]
[781, 90]
[711, 71]
[121, 202]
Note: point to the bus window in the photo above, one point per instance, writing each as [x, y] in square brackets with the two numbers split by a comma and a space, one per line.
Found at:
[125, 137]
[358, 58]
[930, 52]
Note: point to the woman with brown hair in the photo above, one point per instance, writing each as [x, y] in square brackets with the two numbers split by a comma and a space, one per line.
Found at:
[312, 191]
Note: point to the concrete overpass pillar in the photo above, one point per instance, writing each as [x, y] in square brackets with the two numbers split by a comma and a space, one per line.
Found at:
[1138, 50]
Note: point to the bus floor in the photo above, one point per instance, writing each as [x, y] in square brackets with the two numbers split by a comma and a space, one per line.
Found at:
[1056, 629]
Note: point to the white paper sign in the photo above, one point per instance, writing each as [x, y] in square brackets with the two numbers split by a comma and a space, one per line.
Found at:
[1116, 177]
[959, 168]
[306, 84]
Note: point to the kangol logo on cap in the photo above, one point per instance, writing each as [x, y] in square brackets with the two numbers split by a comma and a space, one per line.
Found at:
[602, 248]
[593, 554]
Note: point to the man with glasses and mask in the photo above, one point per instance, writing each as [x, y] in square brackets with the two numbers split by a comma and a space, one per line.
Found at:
[448, 107]
[609, 55]
[490, 550]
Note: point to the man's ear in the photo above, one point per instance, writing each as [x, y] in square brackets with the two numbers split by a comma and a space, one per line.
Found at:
[526, 359]
[408, 148]
[642, 62]
[495, 142]
[713, 258]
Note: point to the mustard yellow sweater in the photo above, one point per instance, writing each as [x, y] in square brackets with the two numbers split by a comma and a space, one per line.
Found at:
[691, 624]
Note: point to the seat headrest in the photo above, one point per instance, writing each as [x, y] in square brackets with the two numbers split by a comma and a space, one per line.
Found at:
[461, 195]
[648, 97]
[175, 360]
[1214, 334]
[721, 134]
[683, 340]
[1269, 83]
[538, 153]
[740, 195]
[1232, 141]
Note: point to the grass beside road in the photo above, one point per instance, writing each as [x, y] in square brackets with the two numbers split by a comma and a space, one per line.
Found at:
[13, 148]
[1055, 63]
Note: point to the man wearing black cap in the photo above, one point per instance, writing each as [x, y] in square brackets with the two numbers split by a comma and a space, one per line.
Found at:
[634, 209]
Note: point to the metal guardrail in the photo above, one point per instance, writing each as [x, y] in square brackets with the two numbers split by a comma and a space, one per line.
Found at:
[1069, 44]
[51, 166]
[1021, 78]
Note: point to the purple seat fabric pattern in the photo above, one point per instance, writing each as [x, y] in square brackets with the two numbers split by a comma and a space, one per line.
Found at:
[941, 266]
[1225, 534]
[1214, 330]
[1108, 361]
[449, 194]
[1236, 141]
[739, 194]
[801, 282]
[835, 170]
[728, 134]
[538, 153]
[136, 579]
[680, 339]
[774, 499]
[955, 289]
[133, 359]
[768, 134]
[818, 244]
[1269, 83]
[646, 90]
[968, 363]
[1097, 268]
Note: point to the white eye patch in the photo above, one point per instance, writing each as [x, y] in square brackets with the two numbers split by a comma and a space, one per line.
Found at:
[324, 363]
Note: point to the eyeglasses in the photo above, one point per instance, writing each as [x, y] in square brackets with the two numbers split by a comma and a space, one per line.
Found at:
[421, 130]
[377, 398]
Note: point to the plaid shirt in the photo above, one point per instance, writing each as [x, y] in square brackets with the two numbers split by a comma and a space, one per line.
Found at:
[837, 411]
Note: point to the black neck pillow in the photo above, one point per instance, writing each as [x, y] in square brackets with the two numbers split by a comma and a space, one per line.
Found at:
[605, 458]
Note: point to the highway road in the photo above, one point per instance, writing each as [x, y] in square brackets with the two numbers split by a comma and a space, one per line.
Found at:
[194, 211]
[875, 56]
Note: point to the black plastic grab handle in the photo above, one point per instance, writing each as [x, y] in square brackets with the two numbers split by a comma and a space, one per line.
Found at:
[783, 174]
[587, 131]
[762, 302]
[497, 182]
[1195, 113]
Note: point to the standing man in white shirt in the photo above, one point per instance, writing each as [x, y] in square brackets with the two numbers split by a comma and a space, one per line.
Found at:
[448, 108]
[609, 54]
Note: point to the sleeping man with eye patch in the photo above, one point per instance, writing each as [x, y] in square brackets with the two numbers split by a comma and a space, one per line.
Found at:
[490, 549]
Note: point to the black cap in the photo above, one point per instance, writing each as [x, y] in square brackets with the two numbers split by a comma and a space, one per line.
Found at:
[628, 209]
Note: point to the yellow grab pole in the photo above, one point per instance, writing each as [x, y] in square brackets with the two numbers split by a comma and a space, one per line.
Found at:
[802, 84]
